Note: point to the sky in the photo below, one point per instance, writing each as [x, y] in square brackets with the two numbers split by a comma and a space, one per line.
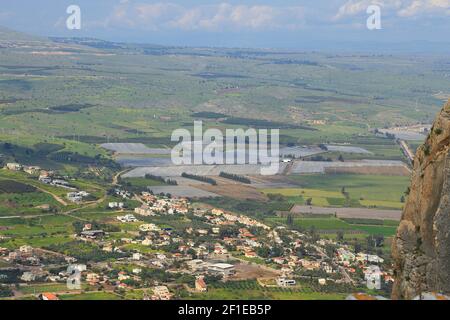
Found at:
[255, 23]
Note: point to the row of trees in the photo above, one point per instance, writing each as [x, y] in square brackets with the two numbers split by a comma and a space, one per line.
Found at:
[235, 177]
[161, 179]
[199, 178]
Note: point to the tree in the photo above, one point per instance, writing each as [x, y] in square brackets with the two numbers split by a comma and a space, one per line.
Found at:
[370, 243]
[378, 240]
[78, 226]
[358, 247]
[407, 191]
[289, 220]
[263, 251]
[276, 251]
[229, 231]
[5, 291]
[313, 233]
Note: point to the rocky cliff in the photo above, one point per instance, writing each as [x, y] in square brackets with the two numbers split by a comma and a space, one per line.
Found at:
[421, 248]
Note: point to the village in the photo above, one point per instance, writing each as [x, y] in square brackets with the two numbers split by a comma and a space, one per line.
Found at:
[215, 248]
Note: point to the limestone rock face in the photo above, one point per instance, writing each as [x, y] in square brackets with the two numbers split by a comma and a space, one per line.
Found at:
[421, 248]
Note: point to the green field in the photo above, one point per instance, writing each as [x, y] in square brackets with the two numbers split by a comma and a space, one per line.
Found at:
[110, 98]
[248, 294]
[25, 203]
[91, 296]
[40, 288]
[38, 232]
[332, 225]
[363, 190]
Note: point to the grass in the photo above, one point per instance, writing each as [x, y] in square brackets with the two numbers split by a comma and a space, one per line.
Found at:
[91, 296]
[320, 198]
[385, 188]
[141, 248]
[13, 204]
[382, 204]
[38, 232]
[369, 190]
[386, 231]
[331, 225]
[39, 288]
[261, 294]
[322, 224]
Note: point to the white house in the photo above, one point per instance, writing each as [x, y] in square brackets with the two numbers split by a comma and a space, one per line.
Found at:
[283, 282]
[372, 275]
[224, 269]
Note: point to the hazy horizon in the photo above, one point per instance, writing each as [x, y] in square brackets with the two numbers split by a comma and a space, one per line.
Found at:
[300, 25]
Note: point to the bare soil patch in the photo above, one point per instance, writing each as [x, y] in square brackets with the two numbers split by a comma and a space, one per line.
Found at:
[237, 191]
[252, 271]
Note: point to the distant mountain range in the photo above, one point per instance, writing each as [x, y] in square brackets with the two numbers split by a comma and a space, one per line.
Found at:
[11, 35]
[313, 45]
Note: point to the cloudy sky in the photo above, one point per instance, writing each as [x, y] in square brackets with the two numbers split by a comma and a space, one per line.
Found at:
[254, 23]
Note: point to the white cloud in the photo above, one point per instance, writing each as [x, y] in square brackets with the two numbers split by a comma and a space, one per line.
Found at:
[402, 8]
[419, 7]
[157, 16]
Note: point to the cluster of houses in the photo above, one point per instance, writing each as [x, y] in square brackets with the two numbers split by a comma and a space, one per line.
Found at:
[33, 264]
[368, 263]
[77, 196]
[44, 176]
[120, 193]
[24, 255]
[154, 205]
[48, 177]
[212, 250]
[127, 218]
[219, 217]
[12, 166]
[116, 205]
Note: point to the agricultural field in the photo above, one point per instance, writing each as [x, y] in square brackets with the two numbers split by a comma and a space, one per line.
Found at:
[331, 225]
[91, 296]
[31, 203]
[39, 232]
[103, 121]
[258, 294]
[100, 104]
[310, 167]
[40, 288]
[250, 290]
[11, 186]
[371, 190]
